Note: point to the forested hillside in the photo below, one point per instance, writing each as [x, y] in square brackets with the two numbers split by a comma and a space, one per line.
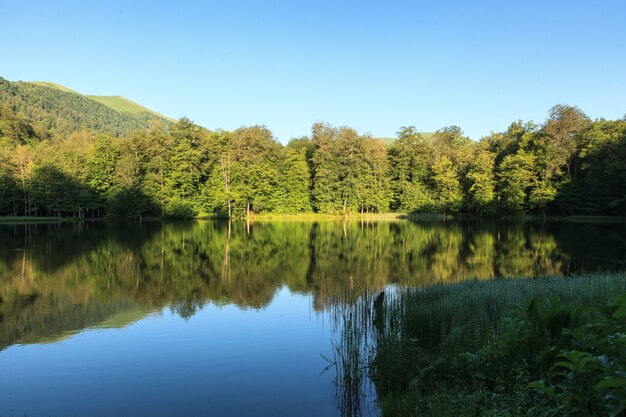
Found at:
[50, 166]
[124, 105]
[53, 110]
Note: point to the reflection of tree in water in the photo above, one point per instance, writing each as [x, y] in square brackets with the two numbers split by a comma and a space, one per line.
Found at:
[69, 276]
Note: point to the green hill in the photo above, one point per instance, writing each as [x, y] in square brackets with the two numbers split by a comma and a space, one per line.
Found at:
[50, 109]
[117, 103]
[52, 85]
[124, 105]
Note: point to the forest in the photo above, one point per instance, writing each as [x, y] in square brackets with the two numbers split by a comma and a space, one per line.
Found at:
[567, 165]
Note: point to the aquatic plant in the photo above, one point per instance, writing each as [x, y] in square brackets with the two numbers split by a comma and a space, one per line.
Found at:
[554, 346]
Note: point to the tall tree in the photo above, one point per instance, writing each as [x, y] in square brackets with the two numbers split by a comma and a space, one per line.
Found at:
[562, 136]
[515, 176]
[217, 192]
[293, 194]
[409, 159]
[254, 173]
[326, 165]
[449, 197]
[482, 182]
[101, 164]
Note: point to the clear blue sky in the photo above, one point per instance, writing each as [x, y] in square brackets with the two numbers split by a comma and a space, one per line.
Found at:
[374, 66]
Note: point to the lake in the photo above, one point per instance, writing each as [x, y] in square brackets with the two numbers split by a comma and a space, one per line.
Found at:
[212, 318]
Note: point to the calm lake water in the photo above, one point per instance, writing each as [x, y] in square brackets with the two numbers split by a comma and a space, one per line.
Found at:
[207, 318]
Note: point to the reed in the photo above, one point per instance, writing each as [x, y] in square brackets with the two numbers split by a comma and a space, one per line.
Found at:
[480, 347]
[429, 333]
[466, 316]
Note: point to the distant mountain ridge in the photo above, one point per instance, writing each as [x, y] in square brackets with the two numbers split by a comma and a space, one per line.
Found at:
[52, 109]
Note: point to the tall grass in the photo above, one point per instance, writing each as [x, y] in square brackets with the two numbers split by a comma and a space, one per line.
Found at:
[353, 351]
[466, 316]
[410, 344]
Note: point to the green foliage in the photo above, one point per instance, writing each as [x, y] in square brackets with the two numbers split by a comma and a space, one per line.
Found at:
[59, 195]
[14, 128]
[177, 210]
[124, 105]
[131, 204]
[9, 193]
[101, 165]
[409, 158]
[53, 110]
[349, 172]
[568, 165]
[515, 176]
[447, 186]
[254, 171]
[184, 172]
[541, 346]
[481, 177]
[601, 182]
[293, 194]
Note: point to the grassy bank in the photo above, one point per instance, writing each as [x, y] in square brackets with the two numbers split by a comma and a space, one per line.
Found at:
[320, 216]
[415, 217]
[28, 219]
[548, 346]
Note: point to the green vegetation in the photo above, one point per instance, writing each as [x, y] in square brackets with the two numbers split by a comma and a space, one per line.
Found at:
[66, 155]
[52, 85]
[391, 141]
[541, 347]
[124, 105]
[552, 345]
[36, 111]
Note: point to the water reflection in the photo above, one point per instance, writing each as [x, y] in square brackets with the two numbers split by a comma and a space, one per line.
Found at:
[56, 279]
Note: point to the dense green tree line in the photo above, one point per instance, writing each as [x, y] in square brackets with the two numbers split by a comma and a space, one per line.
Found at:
[567, 165]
